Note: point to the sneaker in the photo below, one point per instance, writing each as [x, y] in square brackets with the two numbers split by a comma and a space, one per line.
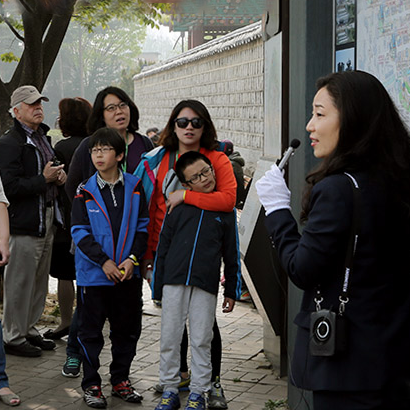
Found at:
[183, 385]
[216, 398]
[24, 349]
[125, 391]
[169, 401]
[195, 402]
[245, 296]
[93, 396]
[71, 367]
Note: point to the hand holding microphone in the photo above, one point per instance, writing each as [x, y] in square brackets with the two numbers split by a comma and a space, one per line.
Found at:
[271, 188]
[288, 153]
[272, 191]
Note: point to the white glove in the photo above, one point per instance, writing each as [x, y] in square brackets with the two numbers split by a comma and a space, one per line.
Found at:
[272, 191]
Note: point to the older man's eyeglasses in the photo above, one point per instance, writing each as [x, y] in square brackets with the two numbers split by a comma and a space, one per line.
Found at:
[113, 107]
[197, 177]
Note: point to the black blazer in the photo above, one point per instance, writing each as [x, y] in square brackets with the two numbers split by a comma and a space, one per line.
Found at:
[378, 312]
[21, 166]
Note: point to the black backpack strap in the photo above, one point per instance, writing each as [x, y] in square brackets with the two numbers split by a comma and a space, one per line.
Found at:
[172, 156]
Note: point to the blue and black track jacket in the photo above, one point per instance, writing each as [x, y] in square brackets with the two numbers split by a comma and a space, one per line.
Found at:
[191, 246]
[93, 234]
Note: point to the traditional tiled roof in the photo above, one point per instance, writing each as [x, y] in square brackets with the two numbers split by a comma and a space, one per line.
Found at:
[231, 40]
[212, 14]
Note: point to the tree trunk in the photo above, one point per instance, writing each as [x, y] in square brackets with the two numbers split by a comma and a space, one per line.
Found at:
[44, 31]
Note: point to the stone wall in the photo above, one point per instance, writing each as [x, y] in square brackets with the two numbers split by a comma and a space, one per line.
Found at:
[230, 83]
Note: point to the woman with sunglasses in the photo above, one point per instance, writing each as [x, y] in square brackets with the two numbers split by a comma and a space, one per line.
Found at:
[189, 128]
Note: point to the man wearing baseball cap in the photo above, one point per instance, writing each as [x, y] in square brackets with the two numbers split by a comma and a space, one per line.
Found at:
[30, 180]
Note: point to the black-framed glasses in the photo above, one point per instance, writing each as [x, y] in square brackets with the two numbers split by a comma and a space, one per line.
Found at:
[196, 178]
[183, 122]
[103, 150]
[113, 107]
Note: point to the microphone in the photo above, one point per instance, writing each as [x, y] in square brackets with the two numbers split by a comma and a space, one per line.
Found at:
[288, 153]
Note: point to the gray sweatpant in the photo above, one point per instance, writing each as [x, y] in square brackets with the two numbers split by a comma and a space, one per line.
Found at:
[180, 302]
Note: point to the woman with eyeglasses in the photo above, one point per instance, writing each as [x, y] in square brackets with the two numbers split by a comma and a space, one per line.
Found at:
[112, 108]
[189, 128]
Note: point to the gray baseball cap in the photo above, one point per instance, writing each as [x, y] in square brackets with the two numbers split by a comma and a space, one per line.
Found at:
[27, 94]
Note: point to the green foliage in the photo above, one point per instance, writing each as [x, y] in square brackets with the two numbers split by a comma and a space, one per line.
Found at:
[95, 60]
[8, 57]
[95, 13]
[56, 311]
[45, 25]
[272, 405]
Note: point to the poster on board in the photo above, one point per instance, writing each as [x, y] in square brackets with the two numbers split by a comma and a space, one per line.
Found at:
[345, 35]
[383, 46]
[345, 59]
[345, 15]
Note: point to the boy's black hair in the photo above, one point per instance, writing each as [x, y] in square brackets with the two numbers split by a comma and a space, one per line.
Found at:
[110, 137]
[188, 159]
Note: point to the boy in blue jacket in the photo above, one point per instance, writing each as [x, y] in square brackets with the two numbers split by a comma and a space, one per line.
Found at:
[109, 227]
[186, 279]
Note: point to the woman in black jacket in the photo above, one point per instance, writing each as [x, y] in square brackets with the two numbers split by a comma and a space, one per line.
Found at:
[356, 129]
[74, 113]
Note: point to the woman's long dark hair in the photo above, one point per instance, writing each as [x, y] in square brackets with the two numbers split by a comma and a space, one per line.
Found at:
[372, 135]
[208, 139]
[96, 119]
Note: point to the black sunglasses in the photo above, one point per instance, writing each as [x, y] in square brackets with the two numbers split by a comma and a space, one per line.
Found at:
[183, 122]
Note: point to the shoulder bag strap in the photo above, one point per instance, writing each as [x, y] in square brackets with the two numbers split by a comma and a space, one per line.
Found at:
[351, 249]
[353, 238]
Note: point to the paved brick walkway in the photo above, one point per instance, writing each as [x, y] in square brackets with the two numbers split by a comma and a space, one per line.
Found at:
[247, 377]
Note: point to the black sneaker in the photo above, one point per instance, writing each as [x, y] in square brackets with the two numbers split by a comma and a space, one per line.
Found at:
[71, 367]
[24, 349]
[93, 396]
[40, 342]
[125, 391]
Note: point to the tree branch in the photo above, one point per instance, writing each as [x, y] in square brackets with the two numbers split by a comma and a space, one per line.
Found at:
[55, 36]
[7, 21]
[13, 30]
